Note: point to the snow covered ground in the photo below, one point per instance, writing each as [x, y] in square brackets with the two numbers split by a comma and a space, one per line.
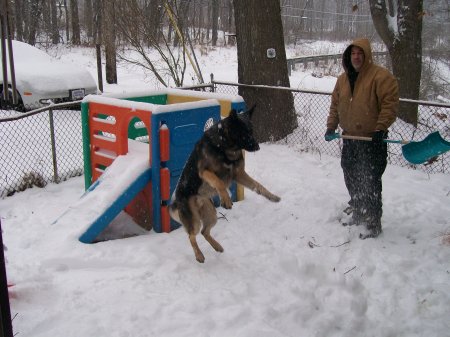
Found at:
[289, 268]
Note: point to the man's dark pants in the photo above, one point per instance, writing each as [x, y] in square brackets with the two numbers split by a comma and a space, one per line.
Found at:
[363, 164]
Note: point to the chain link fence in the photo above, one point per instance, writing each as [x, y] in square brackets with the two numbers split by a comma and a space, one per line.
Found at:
[41, 146]
[312, 109]
[45, 145]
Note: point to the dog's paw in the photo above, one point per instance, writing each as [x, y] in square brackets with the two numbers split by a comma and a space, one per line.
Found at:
[227, 203]
[200, 258]
[274, 198]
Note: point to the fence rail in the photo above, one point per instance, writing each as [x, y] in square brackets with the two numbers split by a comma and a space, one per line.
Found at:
[316, 59]
[312, 110]
[45, 145]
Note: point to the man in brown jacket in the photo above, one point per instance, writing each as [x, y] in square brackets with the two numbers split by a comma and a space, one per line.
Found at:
[364, 103]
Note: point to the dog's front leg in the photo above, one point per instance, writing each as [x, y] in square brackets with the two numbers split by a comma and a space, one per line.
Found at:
[244, 179]
[219, 186]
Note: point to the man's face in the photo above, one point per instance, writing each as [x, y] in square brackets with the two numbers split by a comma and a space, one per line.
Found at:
[357, 58]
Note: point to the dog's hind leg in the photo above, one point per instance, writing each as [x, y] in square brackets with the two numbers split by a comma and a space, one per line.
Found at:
[206, 231]
[198, 253]
[208, 215]
[192, 225]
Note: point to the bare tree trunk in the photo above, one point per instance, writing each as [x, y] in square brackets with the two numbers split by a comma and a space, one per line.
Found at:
[46, 17]
[322, 18]
[182, 14]
[215, 21]
[154, 9]
[202, 25]
[76, 33]
[89, 19]
[339, 30]
[196, 30]
[18, 15]
[262, 60]
[97, 7]
[98, 37]
[310, 17]
[231, 40]
[109, 36]
[35, 14]
[66, 11]
[54, 24]
[208, 20]
[404, 43]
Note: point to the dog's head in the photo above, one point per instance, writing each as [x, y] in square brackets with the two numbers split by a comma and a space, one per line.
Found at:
[239, 130]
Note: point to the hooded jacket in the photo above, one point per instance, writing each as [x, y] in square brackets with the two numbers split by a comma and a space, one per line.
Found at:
[375, 99]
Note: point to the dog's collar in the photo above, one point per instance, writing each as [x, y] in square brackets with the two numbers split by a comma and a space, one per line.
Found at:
[230, 155]
[233, 155]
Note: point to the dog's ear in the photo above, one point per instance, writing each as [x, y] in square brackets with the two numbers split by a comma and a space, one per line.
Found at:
[233, 114]
[250, 111]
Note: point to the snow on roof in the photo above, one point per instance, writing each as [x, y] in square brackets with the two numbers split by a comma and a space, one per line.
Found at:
[185, 106]
[134, 94]
[177, 92]
[205, 95]
[119, 102]
[154, 108]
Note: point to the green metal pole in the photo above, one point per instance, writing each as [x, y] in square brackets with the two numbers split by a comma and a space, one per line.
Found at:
[86, 145]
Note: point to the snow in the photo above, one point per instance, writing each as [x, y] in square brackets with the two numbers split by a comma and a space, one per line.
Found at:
[154, 108]
[52, 75]
[288, 269]
[186, 106]
[114, 181]
[207, 95]
[119, 102]
[176, 92]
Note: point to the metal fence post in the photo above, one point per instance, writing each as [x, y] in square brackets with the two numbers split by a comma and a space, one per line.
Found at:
[53, 142]
[6, 324]
[212, 82]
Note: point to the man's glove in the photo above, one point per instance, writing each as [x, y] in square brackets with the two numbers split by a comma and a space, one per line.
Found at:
[329, 135]
[378, 136]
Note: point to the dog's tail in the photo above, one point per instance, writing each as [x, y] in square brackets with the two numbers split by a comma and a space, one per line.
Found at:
[174, 211]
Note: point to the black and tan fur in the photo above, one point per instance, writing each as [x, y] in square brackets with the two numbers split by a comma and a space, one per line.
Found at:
[215, 162]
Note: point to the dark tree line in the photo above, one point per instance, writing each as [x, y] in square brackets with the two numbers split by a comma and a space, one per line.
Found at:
[120, 25]
[210, 21]
[73, 21]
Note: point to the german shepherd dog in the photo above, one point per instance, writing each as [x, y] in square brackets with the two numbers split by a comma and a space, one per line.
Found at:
[215, 162]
